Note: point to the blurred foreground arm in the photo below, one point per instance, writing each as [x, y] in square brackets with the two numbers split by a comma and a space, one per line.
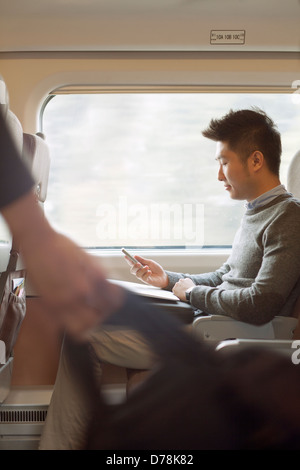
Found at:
[71, 283]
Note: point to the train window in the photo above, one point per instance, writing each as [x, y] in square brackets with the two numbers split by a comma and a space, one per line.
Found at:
[133, 169]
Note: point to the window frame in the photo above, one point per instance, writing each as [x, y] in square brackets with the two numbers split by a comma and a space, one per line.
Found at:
[172, 89]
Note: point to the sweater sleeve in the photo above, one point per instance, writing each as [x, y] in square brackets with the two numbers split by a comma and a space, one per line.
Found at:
[207, 279]
[15, 178]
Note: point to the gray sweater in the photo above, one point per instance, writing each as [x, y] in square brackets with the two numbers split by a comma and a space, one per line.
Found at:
[261, 277]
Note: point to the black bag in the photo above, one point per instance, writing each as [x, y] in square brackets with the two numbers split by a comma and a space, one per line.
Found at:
[195, 398]
[12, 302]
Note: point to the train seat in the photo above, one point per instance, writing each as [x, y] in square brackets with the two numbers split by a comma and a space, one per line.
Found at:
[35, 150]
[216, 328]
[15, 128]
[4, 98]
[282, 346]
[293, 176]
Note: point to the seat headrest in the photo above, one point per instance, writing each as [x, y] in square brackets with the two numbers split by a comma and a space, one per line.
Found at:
[36, 152]
[4, 100]
[293, 176]
[15, 129]
[33, 147]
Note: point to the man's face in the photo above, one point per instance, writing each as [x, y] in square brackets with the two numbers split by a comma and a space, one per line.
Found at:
[234, 173]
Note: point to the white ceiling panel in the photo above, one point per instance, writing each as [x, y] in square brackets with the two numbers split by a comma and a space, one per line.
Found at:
[137, 25]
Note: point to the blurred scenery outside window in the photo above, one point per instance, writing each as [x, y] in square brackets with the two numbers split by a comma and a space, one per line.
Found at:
[133, 169]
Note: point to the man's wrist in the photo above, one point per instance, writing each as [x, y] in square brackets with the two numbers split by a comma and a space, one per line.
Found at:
[188, 293]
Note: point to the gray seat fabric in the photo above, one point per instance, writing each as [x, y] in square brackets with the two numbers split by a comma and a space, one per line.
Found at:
[36, 151]
[293, 176]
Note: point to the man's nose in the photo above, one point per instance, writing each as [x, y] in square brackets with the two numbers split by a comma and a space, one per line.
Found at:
[220, 174]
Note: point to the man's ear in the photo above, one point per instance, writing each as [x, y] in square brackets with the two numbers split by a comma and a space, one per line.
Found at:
[257, 160]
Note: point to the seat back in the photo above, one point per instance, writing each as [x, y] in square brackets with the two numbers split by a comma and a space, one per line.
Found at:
[4, 100]
[293, 185]
[15, 128]
[293, 176]
[16, 132]
[34, 150]
[13, 313]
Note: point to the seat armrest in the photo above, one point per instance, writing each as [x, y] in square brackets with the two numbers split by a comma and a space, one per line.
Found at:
[215, 328]
[280, 346]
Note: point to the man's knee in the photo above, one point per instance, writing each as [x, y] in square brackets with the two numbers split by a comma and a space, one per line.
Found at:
[122, 347]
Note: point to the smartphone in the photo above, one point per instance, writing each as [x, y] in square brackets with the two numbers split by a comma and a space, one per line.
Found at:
[129, 256]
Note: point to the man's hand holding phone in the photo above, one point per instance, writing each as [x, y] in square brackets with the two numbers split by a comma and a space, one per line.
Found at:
[147, 270]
